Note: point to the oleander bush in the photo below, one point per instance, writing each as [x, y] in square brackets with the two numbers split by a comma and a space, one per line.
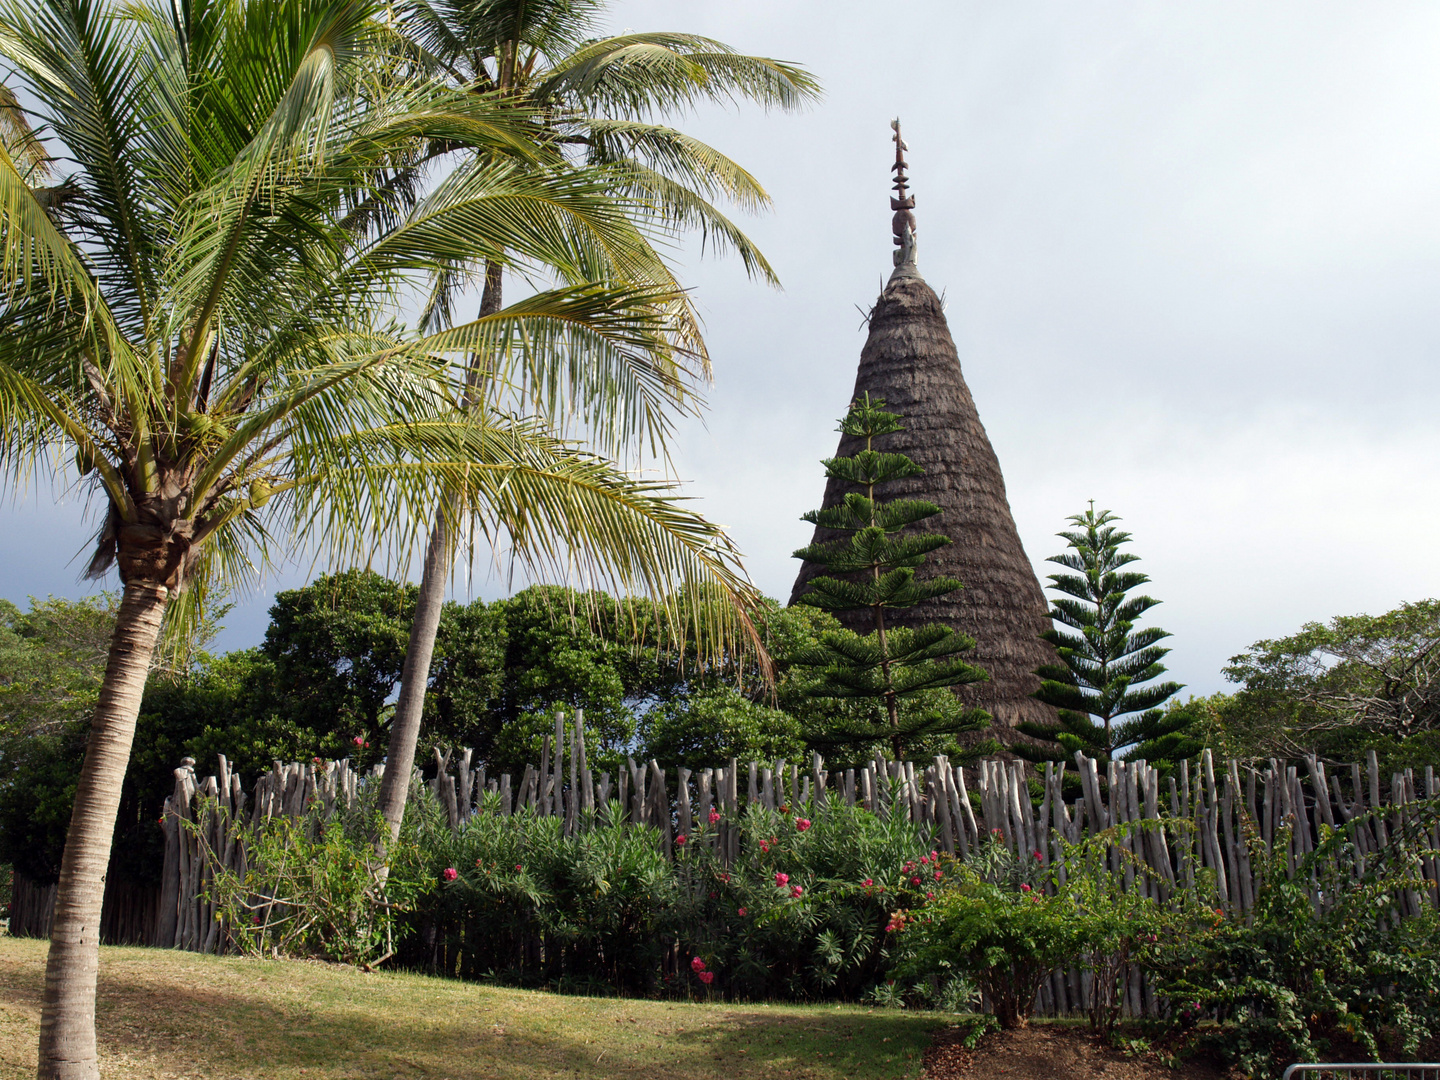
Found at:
[801, 913]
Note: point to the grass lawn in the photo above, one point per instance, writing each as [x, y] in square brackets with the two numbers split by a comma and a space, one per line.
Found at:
[167, 1014]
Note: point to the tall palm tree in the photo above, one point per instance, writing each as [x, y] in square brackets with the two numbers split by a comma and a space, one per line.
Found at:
[205, 327]
[598, 97]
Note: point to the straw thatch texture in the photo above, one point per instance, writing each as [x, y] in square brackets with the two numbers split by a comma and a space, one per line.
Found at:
[910, 362]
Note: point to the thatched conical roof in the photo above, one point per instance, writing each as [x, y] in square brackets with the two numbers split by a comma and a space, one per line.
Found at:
[910, 362]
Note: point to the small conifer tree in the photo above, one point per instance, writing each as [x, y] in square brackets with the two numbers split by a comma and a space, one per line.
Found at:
[906, 675]
[1105, 661]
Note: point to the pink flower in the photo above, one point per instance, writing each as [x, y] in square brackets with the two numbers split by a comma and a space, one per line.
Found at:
[914, 881]
[929, 896]
[517, 866]
[797, 890]
[802, 823]
[450, 873]
[869, 882]
[680, 839]
[924, 860]
[725, 877]
[1024, 888]
[358, 740]
[697, 965]
[934, 856]
[714, 817]
[764, 847]
[939, 874]
[740, 912]
[996, 832]
[706, 977]
[782, 880]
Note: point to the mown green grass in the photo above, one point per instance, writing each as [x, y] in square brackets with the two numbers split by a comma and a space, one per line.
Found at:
[169, 1014]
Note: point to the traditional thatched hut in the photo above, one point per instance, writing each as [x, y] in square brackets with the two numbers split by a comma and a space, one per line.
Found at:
[909, 361]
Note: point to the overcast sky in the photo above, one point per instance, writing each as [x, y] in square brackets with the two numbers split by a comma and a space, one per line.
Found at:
[1191, 258]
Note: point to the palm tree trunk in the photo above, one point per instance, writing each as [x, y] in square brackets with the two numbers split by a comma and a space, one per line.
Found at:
[415, 675]
[405, 727]
[67, 1015]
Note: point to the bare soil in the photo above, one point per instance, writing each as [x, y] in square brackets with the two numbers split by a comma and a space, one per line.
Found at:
[1050, 1051]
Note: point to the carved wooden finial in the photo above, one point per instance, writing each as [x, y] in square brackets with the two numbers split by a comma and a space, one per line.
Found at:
[902, 202]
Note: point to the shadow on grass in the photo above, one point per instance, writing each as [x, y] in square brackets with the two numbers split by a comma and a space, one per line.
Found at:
[184, 1014]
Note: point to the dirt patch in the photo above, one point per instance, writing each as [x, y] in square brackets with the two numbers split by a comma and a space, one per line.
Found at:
[1049, 1052]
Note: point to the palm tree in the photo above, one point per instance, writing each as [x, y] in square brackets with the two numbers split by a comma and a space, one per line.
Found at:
[203, 319]
[597, 97]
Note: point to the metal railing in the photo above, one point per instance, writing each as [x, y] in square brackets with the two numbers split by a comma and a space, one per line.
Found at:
[1364, 1070]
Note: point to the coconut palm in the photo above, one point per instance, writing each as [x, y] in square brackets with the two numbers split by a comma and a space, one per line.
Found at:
[598, 98]
[202, 322]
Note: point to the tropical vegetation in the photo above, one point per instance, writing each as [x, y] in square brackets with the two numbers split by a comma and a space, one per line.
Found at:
[599, 99]
[203, 323]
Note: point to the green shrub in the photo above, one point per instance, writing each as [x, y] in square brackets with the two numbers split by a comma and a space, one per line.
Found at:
[802, 912]
[310, 889]
[994, 922]
[604, 909]
[1295, 984]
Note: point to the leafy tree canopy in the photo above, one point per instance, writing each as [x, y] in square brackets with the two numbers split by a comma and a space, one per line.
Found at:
[1355, 683]
[52, 660]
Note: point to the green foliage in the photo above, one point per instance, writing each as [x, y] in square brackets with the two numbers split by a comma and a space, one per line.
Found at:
[1355, 981]
[52, 660]
[1008, 921]
[802, 912]
[710, 726]
[1356, 683]
[1105, 662]
[310, 888]
[37, 791]
[336, 648]
[604, 909]
[602, 93]
[1120, 928]
[875, 567]
[994, 922]
[331, 658]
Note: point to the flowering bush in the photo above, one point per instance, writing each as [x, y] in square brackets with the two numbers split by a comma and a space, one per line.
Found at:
[534, 907]
[993, 924]
[799, 914]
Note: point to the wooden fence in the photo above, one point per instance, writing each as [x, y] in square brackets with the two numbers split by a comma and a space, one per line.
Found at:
[1209, 819]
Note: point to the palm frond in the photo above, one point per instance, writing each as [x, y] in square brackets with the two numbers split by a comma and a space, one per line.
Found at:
[636, 75]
